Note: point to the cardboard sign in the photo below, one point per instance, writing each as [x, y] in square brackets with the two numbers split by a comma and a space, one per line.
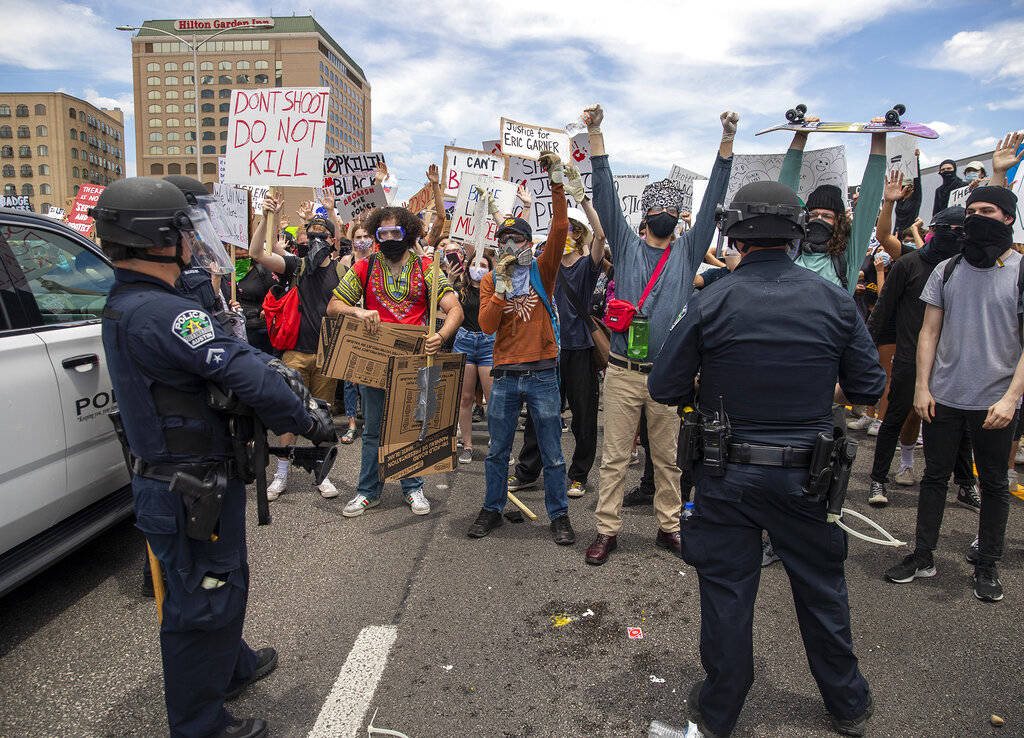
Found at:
[470, 216]
[821, 166]
[347, 351]
[959, 197]
[421, 201]
[233, 226]
[87, 197]
[528, 141]
[528, 172]
[346, 174]
[401, 454]
[899, 152]
[360, 201]
[277, 136]
[630, 188]
[17, 202]
[458, 160]
[491, 147]
[55, 212]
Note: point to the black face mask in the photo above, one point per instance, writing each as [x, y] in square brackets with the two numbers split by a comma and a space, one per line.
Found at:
[393, 250]
[985, 240]
[948, 177]
[818, 234]
[317, 250]
[662, 224]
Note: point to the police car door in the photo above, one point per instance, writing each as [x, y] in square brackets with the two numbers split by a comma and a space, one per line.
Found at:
[69, 284]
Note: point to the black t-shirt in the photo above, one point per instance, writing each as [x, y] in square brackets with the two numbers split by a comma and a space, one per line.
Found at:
[315, 288]
[470, 299]
[900, 303]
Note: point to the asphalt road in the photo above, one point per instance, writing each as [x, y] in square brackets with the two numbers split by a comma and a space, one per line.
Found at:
[481, 647]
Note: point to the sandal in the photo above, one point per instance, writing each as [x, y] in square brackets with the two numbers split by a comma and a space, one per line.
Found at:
[349, 437]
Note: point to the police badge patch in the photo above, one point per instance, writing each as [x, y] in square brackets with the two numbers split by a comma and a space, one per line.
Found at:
[193, 327]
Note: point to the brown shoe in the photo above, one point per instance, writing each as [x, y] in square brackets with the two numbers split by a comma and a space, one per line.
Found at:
[603, 545]
[671, 541]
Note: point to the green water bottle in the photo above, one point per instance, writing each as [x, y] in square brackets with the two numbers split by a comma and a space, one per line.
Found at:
[638, 337]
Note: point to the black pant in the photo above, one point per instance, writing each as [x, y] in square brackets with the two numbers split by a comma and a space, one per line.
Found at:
[647, 480]
[991, 453]
[579, 387]
[901, 403]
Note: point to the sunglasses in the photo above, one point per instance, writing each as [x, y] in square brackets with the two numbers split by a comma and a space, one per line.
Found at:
[390, 233]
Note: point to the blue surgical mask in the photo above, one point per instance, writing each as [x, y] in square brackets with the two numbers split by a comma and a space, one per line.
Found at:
[970, 176]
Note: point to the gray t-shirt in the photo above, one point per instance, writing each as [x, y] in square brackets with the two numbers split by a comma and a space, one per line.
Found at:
[980, 344]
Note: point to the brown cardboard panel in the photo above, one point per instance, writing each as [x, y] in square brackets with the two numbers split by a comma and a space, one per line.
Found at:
[348, 352]
[401, 453]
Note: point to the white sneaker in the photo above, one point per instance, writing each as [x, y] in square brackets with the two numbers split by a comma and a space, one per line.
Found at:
[1019, 458]
[358, 505]
[276, 488]
[860, 423]
[1011, 479]
[327, 489]
[875, 426]
[420, 505]
[920, 440]
[905, 476]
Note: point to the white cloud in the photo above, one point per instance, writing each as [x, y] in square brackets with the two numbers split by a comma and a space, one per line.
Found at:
[1012, 103]
[988, 142]
[993, 52]
[942, 128]
[125, 101]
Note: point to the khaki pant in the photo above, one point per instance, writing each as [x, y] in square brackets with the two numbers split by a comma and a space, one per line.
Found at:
[625, 395]
[321, 387]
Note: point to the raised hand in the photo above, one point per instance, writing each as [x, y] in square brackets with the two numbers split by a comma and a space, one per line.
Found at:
[574, 184]
[306, 211]
[1005, 154]
[433, 175]
[271, 205]
[381, 174]
[594, 115]
[552, 165]
[729, 121]
[893, 189]
[523, 193]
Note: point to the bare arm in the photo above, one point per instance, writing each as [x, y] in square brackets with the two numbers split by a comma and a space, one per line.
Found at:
[927, 342]
[598, 243]
[883, 228]
[915, 231]
[710, 258]
[257, 245]
[1000, 414]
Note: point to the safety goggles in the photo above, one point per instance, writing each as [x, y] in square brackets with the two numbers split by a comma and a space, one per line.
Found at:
[516, 239]
[390, 233]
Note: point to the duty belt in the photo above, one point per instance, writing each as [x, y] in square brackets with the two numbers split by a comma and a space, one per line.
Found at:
[631, 365]
[165, 472]
[784, 456]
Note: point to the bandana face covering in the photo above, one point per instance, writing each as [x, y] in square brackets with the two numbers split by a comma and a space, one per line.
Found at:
[985, 240]
[242, 267]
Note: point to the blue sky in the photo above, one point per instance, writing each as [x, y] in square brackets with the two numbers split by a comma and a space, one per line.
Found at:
[663, 70]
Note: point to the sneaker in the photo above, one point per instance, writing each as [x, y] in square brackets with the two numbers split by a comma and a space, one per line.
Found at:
[466, 456]
[485, 522]
[972, 553]
[358, 505]
[419, 504]
[562, 532]
[877, 495]
[912, 567]
[514, 484]
[860, 423]
[638, 497]
[987, 586]
[276, 488]
[327, 489]
[768, 555]
[576, 489]
[968, 497]
[857, 726]
[905, 476]
[875, 426]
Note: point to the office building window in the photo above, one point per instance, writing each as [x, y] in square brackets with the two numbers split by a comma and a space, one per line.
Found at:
[173, 136]
[156, 123]
[170, 80]
[41, 131]
[224, 107]
[40, 110]
[243, 79]
[21, 111]
[262, 79]
[152, 67]
[173, 94]
[24, 132]
[156, 137]
[172, 122]
[156, 168]
[187, 67]
[261, 65]
[44, 169]
[154, 109]
[173, 109]
[209, 149]
[206, 66]
[207, 94]
[170, 67]
[224, 65]
[152, 80]
[224, 79]
[190, 168]
[243, 65]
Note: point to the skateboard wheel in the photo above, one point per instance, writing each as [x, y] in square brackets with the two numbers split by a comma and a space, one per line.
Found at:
[792, 116]
[900, 108]
[892, 118]
[801, 108]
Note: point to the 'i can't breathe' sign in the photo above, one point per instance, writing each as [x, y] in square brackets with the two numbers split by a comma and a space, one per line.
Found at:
[277, 137]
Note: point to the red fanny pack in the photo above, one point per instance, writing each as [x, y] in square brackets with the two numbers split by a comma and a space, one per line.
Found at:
[282, 314]
[619, 313]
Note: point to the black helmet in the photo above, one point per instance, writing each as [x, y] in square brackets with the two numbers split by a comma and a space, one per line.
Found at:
[141, 213]
[192, 188]
[763, 210]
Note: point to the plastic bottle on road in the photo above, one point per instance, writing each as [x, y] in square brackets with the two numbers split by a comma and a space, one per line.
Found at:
[659, 729]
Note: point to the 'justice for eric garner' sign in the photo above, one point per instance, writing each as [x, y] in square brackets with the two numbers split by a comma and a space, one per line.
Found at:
[277, 137]
[528, 141]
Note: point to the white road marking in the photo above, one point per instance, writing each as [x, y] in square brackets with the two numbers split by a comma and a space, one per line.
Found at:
[346, 705]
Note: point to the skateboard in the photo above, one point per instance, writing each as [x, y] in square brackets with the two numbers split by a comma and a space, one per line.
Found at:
[892, 124]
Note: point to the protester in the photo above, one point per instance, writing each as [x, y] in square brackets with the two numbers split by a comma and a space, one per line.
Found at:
[252, 283]
[908, 207]
[395, 286]
[667, 288]
[314, 273]
[950, 182]
[516, 305]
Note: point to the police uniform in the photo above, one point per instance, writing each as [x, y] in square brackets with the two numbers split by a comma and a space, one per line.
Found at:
[769, 342]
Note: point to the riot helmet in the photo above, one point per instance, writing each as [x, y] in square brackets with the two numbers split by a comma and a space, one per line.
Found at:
[763, 212]
[208, 220]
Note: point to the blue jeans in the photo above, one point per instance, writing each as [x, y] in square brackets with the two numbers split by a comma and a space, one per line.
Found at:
[539, 390]
[478, 347]
[351, 399]
[369, 471]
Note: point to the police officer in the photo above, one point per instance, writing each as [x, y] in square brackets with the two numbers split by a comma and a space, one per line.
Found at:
[769, 341]
[162, 349]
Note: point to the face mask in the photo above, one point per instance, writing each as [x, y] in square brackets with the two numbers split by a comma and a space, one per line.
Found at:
[662, 224]
[971, 176]
[522, 252]
[818, 234]
[947, 176]
[362, 244]
[985, 240]
[344, 249]
[316, 250]
[242, 267]
[477, 273]
[394, 250]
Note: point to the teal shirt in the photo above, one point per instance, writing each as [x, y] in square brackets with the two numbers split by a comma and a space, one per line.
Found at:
[864, 217]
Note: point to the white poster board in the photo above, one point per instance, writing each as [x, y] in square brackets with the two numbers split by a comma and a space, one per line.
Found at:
[491, 147]
[346, 174]
[528, 141]
[899, 152]
[233, 227]
[362, 200]
[821, 166]
[959, 197]
[528, 172]
[277, 136]
[55, 212]
[630, 188]
[468, 217]
[1018, 224]
[458, 160]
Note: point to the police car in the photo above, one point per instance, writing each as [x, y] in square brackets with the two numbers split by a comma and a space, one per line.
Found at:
[62, 473]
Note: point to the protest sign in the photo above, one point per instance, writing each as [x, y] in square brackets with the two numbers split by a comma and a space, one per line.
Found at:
[529, 173]
[1018, 224]
[277, 136]
[959, 197]
[17, 202]
[629, 188]
[685, 179]
[55, 212]
[401, 453]
[232, 223]
[80, 219]
[422, 200]
[491, 147]
[360, 201]
[700, 186]
[467, 217]
[222, 164]
[528, 141]
[821, 166]
[458, 160]
[348, 351]
[346, 174]
[899, 152]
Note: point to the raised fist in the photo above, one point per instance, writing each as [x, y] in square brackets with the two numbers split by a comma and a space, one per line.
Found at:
[593, 115]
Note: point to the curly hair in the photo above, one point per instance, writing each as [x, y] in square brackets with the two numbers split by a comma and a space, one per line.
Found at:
[840, 234]
[409, 222]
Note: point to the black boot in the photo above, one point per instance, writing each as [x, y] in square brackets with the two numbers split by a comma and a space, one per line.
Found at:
[251, 728]
[562, 531]
[266, 662]
[485, 522]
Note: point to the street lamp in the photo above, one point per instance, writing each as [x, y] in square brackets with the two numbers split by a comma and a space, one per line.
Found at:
[194, 46]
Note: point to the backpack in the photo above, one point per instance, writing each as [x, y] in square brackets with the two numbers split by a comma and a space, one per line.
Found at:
[281, 311]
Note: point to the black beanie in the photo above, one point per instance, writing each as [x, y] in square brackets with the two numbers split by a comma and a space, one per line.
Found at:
[1001, 197]
[826, 197]
[952, 216]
